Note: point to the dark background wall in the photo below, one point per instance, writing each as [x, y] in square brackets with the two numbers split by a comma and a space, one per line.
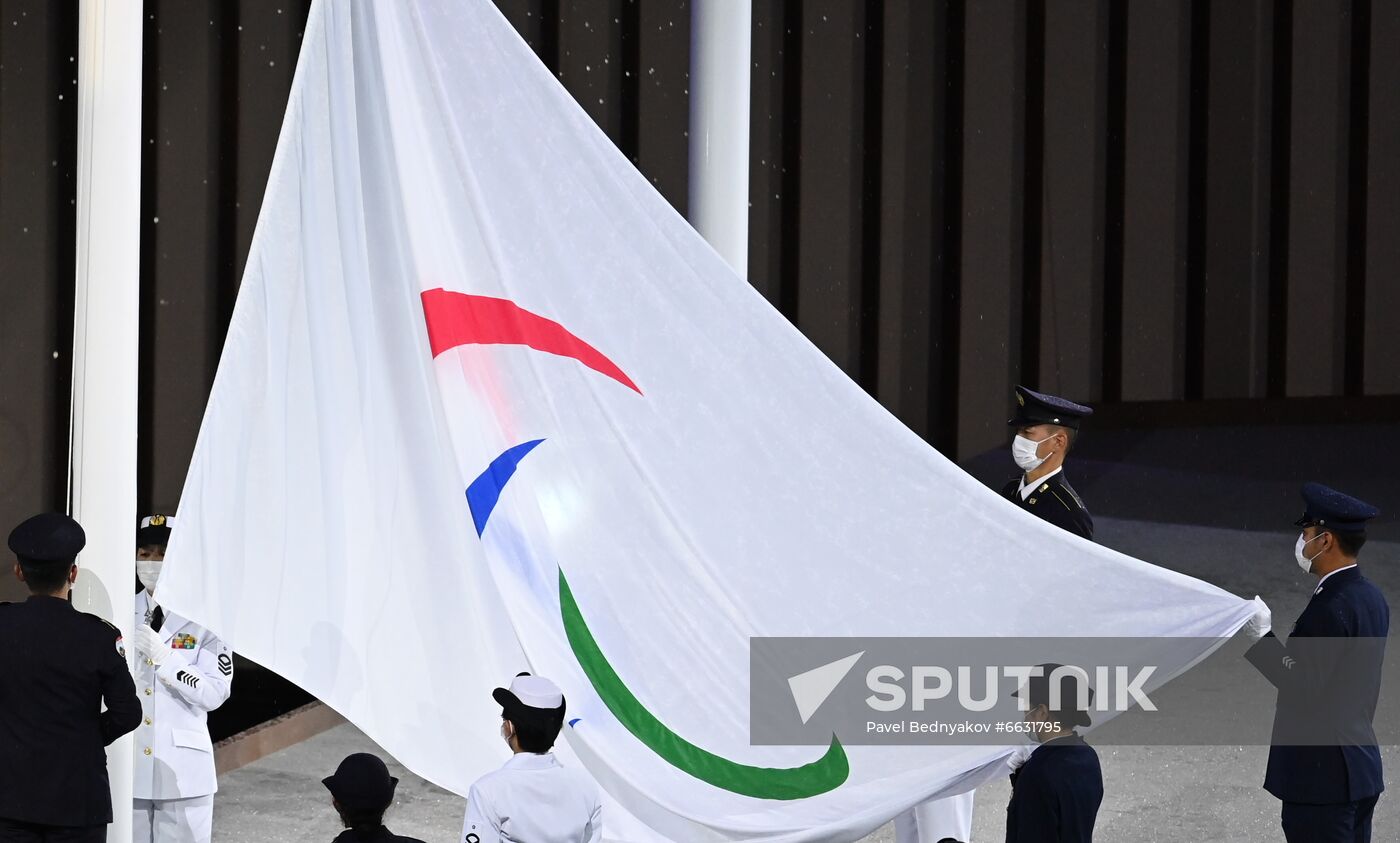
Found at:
[1171, 209]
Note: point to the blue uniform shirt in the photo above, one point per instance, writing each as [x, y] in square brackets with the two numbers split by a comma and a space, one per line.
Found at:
[1055, 796]
[1310, 680]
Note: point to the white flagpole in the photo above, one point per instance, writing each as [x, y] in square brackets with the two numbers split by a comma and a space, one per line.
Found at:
[720, 48]
[105, 326]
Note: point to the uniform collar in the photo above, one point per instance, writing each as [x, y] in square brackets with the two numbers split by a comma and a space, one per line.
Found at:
[1026, 491]
[49, 601]
[351, 835]
[1073, 738]
[1351, 567]
[532, 761]
[172, 623]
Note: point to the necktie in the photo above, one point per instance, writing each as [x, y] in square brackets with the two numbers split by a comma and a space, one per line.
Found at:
[157, 618]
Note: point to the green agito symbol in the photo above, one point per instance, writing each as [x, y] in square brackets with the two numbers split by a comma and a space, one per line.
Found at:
[824, 774]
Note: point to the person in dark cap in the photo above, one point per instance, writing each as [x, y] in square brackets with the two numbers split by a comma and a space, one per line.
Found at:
[1324, 764]
[1056, 792]
[532, 797]
[1046, 427]
[361, 791]
[59, 666]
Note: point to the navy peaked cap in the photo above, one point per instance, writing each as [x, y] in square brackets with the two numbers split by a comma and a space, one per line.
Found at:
[1038, 408]
[1334, 510]
[48, 537]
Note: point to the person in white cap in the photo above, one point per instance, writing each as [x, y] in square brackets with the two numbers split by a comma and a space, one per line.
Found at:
[532, 798]
[183, 672]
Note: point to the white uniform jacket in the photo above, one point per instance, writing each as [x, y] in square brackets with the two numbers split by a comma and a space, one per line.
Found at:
[174, 756]
[532, 799]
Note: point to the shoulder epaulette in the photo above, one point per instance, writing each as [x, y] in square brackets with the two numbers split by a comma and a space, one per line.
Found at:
[1056, 493]
[102, 620]
[1073, 494]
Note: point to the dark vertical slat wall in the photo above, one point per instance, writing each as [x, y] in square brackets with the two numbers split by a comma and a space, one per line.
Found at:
[1381, 314]
[1357, 138]
[830, 247]
[992, 219]
[1156, 200]
[267, 44]
[38, 142]
[1317, 262]
[1235, 285]
[1156, 161]
[656, 86]
[1073, 234]
[590, 60]
[910, 212]
[180, 305]
[769, 113]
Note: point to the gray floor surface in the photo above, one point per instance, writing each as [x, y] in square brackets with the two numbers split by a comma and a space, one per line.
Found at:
[1159, 793]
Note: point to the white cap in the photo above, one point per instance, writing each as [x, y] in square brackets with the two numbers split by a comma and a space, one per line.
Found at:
[529, 691]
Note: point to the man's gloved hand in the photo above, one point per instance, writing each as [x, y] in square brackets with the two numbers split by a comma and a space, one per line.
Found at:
[1261, 622]
[1020, 756]
[150, 645]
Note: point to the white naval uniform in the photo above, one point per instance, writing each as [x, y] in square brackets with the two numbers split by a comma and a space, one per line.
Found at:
[936, 819]
[533, 799]
[174, 783]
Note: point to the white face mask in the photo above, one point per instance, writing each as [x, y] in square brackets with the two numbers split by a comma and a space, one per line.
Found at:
[148, 572]
[1023, 451]
[1303, 561]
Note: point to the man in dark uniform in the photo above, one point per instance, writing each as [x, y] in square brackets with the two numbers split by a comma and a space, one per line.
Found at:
[1324, 764]
[361, 791]
[1046, 427]
[1056, 793]
[57, 667]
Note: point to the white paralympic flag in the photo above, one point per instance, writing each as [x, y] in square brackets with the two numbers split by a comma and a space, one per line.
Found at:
[488, 404]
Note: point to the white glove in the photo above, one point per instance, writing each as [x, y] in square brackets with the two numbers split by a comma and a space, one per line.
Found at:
[1020, 756]
[150, 645]
[1261, 622]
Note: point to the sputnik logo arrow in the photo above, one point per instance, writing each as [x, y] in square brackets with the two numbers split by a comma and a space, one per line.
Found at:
[456, 319]
[811, 689]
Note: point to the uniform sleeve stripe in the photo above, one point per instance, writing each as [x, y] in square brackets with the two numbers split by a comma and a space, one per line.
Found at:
[1062, 501]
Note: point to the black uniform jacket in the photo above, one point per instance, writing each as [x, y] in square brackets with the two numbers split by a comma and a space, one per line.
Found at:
[1327, 690]
[1055, 795]
[1055, 501]
[57, 667]
[372, 835]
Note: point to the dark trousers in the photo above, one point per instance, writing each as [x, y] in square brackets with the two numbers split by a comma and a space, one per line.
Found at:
[1346, 822]
[14, 831]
